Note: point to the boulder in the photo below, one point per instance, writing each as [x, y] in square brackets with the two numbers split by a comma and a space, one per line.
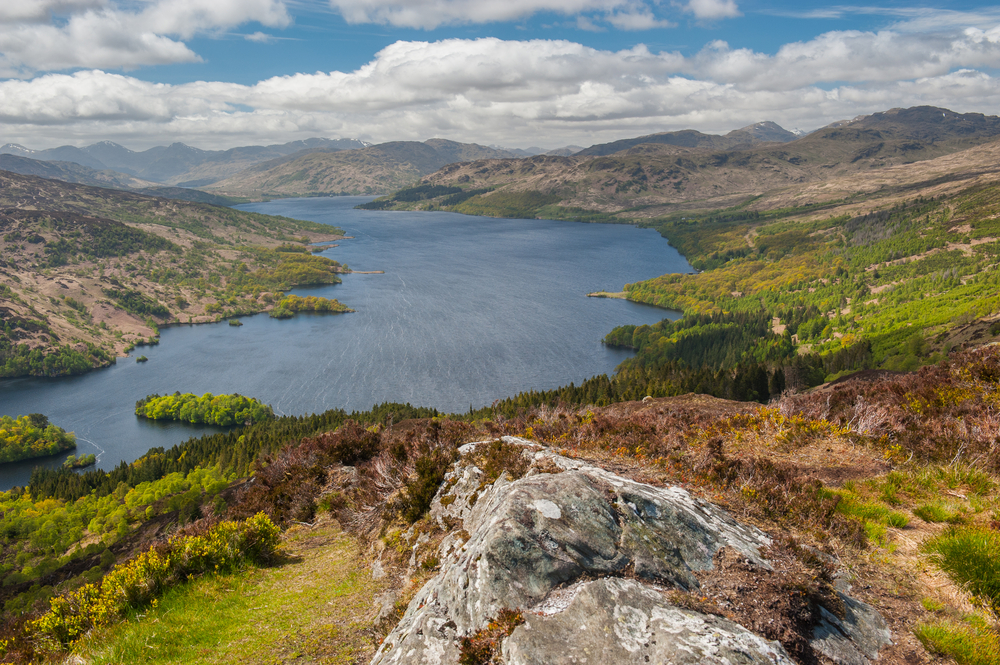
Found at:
[588, 556]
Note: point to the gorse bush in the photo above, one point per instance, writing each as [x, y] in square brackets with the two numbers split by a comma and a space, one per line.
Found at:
[136, 584]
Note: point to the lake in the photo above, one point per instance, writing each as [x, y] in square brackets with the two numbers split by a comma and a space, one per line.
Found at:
[469, 310]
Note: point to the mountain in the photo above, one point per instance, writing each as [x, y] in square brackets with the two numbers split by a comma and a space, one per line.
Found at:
[71, 172]
[684, 172]
[177, 164]
[84, 175]
[372, 170]
[761, 132]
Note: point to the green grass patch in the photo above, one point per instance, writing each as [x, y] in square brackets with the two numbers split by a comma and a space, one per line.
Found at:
[969, 644]
[937, 512]
[970, 556]
[314, 607]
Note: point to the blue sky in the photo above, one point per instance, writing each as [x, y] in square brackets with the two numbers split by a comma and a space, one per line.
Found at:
[516, 73]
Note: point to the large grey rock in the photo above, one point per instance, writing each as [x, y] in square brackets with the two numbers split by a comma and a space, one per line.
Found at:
[529, 540]
[623, 622]
[854, 640]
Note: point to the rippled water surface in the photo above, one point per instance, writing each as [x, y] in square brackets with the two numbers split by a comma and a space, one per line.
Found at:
[469, 310]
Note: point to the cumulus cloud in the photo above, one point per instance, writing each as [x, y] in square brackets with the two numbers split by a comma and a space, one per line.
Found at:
[99, 34]
[851, 56]
[43, 10]
[429, 14]
[518, 93]
[713, 9]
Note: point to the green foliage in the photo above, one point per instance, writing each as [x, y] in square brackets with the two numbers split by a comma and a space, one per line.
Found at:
[74, 462]
[22, 360]
[135, 302]
[970, 556]
[936, 512]
[210, 409]
[31, 436]
[511, 205]
[139, 582]
[289, 305]
[233, 452]
[431, 468]
[971, 643]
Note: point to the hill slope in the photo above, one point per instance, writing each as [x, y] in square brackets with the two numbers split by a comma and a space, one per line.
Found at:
[86, 273]
[176, 164]
[761, 132]
[373, 170]
[652, 179]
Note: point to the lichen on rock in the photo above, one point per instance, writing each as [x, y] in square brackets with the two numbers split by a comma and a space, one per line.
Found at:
[587, 553]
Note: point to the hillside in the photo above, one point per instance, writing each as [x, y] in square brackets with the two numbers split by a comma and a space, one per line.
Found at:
[84, 175]
[87, 273]
[653, 179]
[176, 164]
[755, 134]
[833, 526]
[372, 170]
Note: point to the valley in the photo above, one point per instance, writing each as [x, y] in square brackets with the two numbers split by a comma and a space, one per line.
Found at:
[798, 464]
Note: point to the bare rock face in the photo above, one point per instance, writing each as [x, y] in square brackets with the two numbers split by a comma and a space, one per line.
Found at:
[587, 555]
[621, 621]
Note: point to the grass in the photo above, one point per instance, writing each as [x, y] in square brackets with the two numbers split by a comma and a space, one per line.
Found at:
[970, 556]
[971, 643]
[315, 606]
[937, 512]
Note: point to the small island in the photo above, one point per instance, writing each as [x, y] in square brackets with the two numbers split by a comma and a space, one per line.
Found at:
[288, 306]
[142, 359]
[27, 437]
[208, 409]
[235, 323]
[74, 462]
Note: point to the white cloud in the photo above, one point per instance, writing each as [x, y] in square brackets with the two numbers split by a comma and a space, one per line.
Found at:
[713, 9]
[105, 36]
[850, 56]
[42, 10]
[642, 19]
[517, 93]
[260, 37]
[429, 14]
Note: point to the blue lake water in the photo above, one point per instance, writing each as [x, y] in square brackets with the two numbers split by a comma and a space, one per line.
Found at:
[469, 310]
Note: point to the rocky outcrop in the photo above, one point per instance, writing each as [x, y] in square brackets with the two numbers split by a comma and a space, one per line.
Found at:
[590, 559]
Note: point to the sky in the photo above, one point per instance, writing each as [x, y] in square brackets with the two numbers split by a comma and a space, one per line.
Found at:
[216, 74]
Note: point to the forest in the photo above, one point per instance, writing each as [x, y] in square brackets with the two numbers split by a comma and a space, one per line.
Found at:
[208, 409]
[25, 437]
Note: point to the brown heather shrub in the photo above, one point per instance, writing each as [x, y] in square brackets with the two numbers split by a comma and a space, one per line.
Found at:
[483, 647]
[945, 413]
[287, 483]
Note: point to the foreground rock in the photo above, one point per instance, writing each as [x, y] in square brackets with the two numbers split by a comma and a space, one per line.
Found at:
[591, 559]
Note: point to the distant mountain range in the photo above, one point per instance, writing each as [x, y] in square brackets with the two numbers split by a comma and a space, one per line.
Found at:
[374, 169]
[688, 170]
[176, 164]
[680, 168]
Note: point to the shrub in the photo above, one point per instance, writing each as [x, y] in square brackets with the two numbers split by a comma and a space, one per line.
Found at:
[137, 583]
[483, 647]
